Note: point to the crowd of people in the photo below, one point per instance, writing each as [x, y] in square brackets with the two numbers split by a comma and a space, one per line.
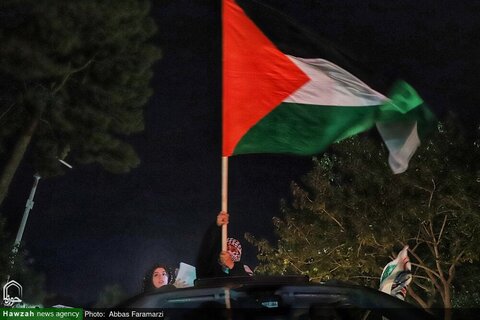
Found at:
[211, 262]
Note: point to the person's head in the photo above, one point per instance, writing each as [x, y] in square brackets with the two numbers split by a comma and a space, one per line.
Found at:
[156, 277]
[234, 248]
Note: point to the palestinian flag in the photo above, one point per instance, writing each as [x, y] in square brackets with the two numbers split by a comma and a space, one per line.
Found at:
[288, 91]
[397, 275]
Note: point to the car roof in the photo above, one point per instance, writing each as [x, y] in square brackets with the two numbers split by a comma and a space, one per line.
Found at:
[289, 297]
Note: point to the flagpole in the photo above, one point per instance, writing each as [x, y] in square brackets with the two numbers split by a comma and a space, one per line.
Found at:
[224, 165]
[224, 226]
[224, 199]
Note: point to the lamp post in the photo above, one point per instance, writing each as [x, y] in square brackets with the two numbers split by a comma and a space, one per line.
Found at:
[21, 229]
[28, 207]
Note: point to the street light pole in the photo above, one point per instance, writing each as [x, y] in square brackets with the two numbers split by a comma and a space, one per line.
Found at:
[28, 207]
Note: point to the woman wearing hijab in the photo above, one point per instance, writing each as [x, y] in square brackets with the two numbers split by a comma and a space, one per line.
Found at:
[157, 277]
[212, 262]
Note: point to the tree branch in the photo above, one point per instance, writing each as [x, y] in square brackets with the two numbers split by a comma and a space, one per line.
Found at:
[6, 111]
[331, 251]
[416, 297]
[431, 193]
[441, 230]
[330, 271]
[364, 277]
[333, 218]
[429, 270]
[430, 273]
[451, 270]
[69, 74]
[421, 277]
[301, 232]
[436, 253]
[290, 259]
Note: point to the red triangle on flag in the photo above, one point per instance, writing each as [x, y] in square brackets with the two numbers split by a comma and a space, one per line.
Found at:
[257, 76]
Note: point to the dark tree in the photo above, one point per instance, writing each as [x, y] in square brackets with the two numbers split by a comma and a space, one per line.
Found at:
[19, 267]
[350, 215]
[74, 79]
[110, 296]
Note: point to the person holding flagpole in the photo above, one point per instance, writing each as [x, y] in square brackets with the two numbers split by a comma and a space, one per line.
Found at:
[214, 262]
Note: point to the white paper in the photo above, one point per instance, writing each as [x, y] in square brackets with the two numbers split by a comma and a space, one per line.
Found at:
[187, 274]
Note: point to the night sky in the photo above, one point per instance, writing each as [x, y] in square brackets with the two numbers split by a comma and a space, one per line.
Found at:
[90, 228]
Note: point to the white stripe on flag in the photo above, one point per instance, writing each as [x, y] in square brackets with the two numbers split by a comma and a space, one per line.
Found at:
[331, 85]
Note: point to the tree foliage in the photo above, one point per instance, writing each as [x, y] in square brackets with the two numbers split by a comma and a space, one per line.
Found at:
[74, 78]
[110, 296]
[350, 215]
[19, 267]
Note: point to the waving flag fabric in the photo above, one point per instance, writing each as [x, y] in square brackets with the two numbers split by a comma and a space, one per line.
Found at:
[397, 275]
[288, 91]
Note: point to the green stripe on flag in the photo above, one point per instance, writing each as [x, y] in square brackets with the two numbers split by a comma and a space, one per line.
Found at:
[406, 105]
[304, 129]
